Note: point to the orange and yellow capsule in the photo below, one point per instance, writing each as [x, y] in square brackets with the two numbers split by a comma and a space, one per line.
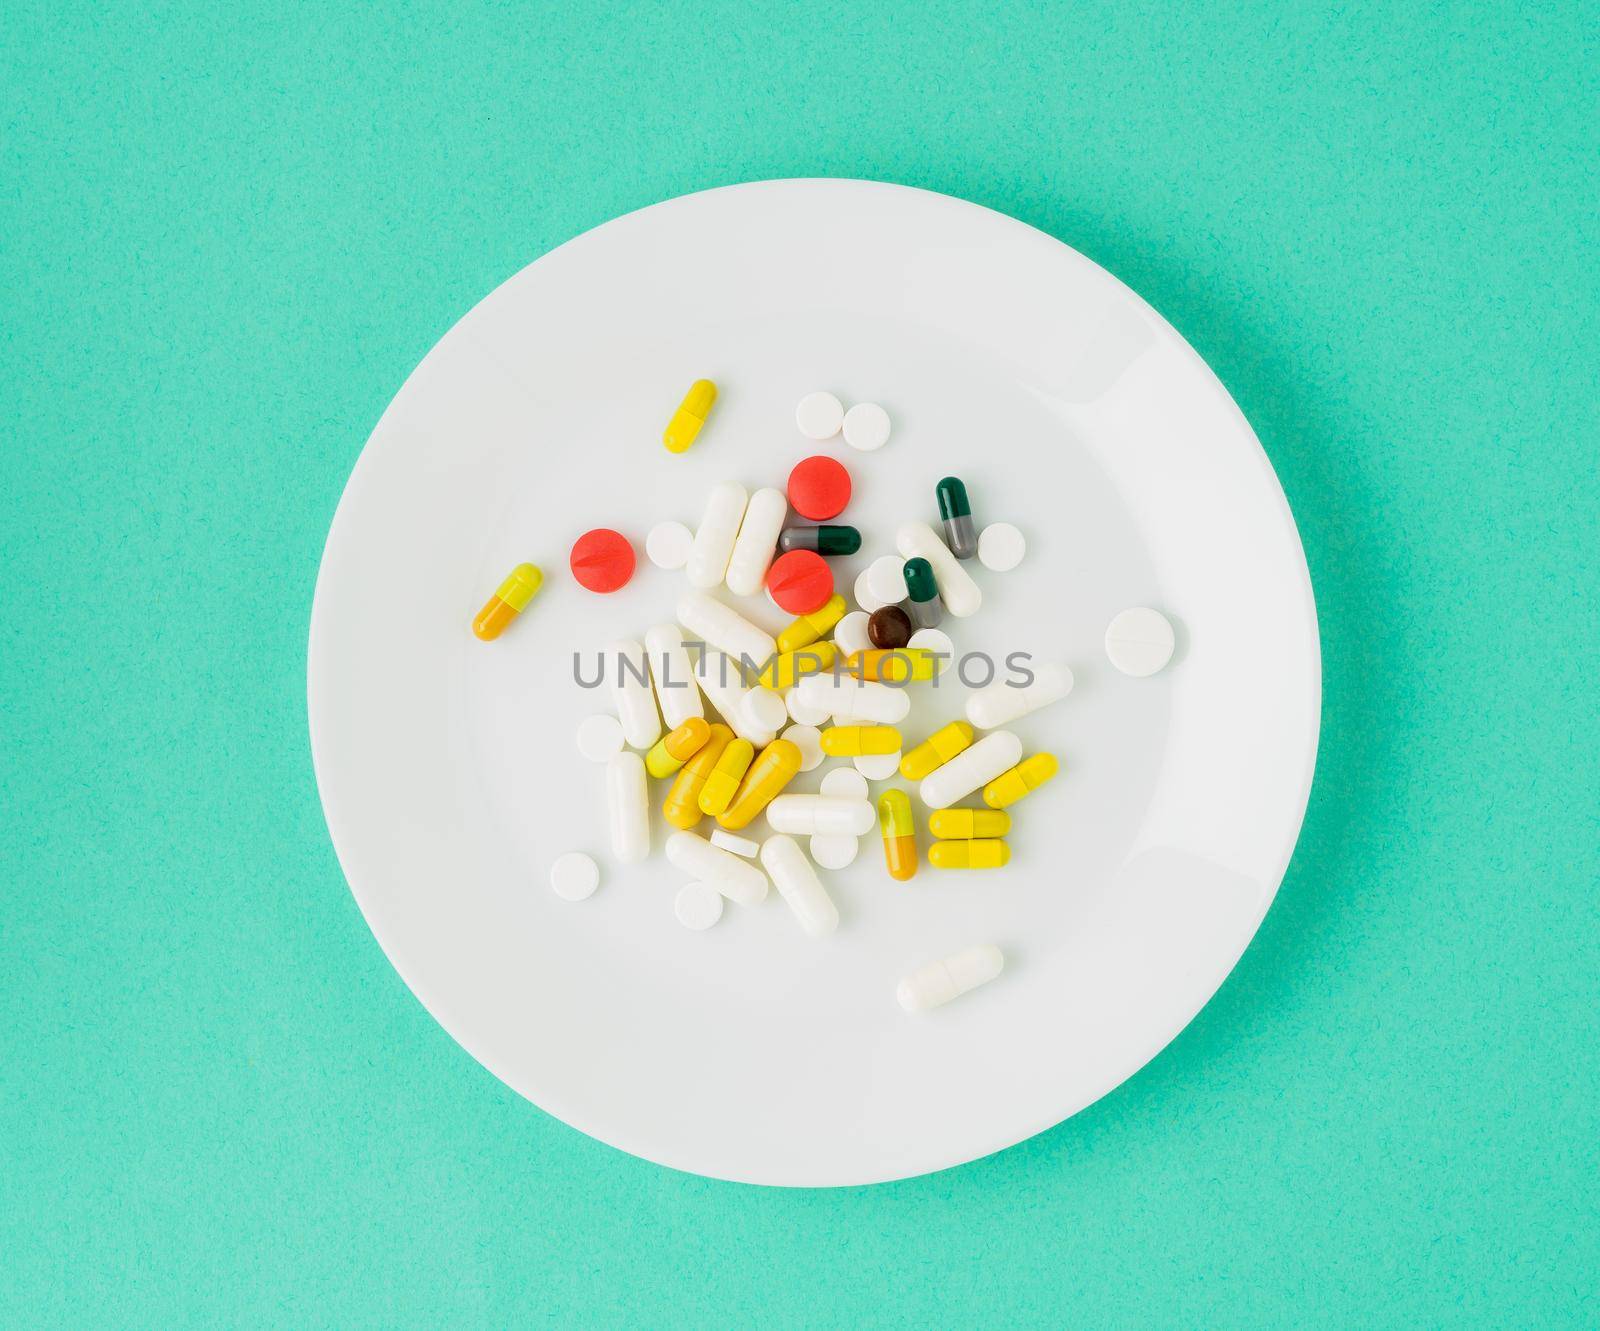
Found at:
[935, 751]
[968, 824]
[981, 854]
[682, 808]
[768, 774]
[859, 741]
[787, 669]
[899, 834]
[903, 665]
[1026, 777]
[684, 427]
[808, 628]
[723, 783]
[510, 601]
[677, 746]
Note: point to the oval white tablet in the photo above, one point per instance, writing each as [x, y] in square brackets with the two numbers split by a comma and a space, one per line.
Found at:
[886, 580]
[878, 766]
[668, 545]
[836, 852]
[697, 906]
[801, 713]
[938, 642]
[1001, 547]
[1139, 641]
[819, 415]
[808, 739]
[574, 876]
[738, 845]
[866, 426]
[850, 633]
[845, 783]
[599, 736]
[949, 977]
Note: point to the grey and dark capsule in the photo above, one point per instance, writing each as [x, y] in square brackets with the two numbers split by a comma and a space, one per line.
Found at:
[923, 603]
[959, 533]
[824, 540]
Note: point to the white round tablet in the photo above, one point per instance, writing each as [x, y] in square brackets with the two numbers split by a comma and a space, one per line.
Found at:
[834, 852]
[574, 876]
[800, 713]
[1001, 547]
[819, 415]
[938, 642]
[878, 766]
[600, 737]
[1139, 641]
[844, 783]
[697, 906]
[886, 580]
[864, 597]
[866, 426]
[850, 633]
[668, 544]
[766, 709]
[808, 739]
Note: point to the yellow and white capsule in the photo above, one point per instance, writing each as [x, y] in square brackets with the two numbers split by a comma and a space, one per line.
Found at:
[722, 783]
[684, 427]
[967, 824]
[935, 751]
[903, 665]
[787, 669]
[1025, 777]
[511, 600]
[978, 854]
[808, 628]
[859, 741]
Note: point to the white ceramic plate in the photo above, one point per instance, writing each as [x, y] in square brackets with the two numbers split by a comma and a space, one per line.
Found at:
[447, 766]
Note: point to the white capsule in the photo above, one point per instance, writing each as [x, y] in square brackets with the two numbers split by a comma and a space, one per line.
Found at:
[949, 977]
[714, 537]
[1001, 703]
[630, 688]
[824, 815]
[672, 674]
[850, 633]
[725, 628]
[758, 540]
[719, 678]
[997, 752]
[859, 699]
[736, 879]
[628, 797]
[960, 594]
[799, 886]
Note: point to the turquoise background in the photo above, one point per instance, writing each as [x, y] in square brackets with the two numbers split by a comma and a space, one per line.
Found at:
[228, 233]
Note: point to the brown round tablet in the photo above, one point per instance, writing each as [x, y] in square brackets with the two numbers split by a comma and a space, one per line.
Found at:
[889, 628]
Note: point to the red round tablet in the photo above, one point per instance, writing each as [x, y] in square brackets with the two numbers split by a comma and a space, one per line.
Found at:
[819, 488]
[602, 560]
[800, 581]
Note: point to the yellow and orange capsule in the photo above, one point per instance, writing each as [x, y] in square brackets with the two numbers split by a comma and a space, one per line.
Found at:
[899, 834]
[979, 854]
[787, 669]
[684, 427]
[520, 586]
[968, 824]
[768, 774]
[677, 746]
[682, 808]
[1026, 777]
[903, 665]
[935, 751]
[808, 628]
[859, 741]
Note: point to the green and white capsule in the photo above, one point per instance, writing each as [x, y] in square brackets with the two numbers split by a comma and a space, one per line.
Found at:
[824, 540]
[922, 592]
[959, 533]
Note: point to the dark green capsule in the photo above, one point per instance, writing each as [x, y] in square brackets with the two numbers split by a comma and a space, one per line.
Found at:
[924, 605]
[824, 540]
[959, 533]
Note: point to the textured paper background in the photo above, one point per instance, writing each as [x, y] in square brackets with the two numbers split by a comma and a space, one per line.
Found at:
[228, 232]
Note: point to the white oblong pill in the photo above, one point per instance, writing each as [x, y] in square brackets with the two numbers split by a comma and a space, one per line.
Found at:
[631, 692]
[960, 594]
[938, 642]
[628, 798]
[859, 699]
[672, 675]
[949, 977]
[668, 545]
[1001, 703]
[819, 415]
[697, 906]
[866, 426]
[714, 538]
[574, 876]
[731, 876]
[600, 736]
[834, 852]
[820, 815]
[800, 713]
[1139, 641]
[877, 766]
[808, 739]
[996, 752]
[718, 676]
[725, 628]
[757, 541]
[886, 580]
[799, 886]
[1001, 547]
[850, 633]
[844, 783]
[737, 845]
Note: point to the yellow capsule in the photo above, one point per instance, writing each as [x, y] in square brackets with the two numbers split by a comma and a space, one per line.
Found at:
[723, 783]
[507, 603]
[786, 669]
[1028, 775]
[899, 834]
[690, 416]
[682, 808]
[935, 751]
[903, 665]
[677, 746]
[969, 854]
[859, 741]
[808, 628]
[769, 774]
[965, 824]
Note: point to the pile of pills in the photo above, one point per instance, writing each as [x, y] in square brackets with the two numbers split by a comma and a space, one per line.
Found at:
[725, 715]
